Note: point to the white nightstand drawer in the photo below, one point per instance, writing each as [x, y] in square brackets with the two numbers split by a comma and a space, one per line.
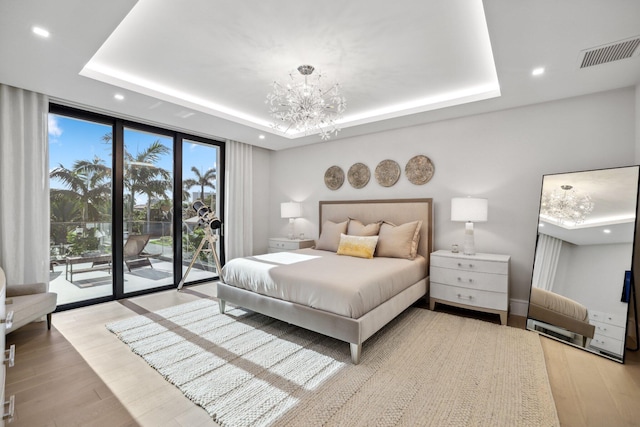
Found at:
[612, 319]
[283, 244]
[469, 279]
[608, 344]
[473, 297]
[611, 331]
[279, 244]
[469, 263]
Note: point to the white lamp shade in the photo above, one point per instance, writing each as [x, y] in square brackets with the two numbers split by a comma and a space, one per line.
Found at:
[469, 209]
[290, 210]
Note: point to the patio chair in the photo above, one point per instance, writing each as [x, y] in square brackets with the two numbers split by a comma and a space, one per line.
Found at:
[134, 254]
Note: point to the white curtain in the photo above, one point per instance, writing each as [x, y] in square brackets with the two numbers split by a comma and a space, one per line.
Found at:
[546, 261]
[24, 185]
[238, 229]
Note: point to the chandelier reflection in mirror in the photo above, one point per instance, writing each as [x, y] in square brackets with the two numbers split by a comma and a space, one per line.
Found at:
[304, 105]
[566, 205]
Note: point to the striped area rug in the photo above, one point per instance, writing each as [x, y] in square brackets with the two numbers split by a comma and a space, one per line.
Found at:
[424, 368]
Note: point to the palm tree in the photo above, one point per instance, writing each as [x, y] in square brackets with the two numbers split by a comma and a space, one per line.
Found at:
[142, 176]
[207, 179]
[64, 210]
[88, 181]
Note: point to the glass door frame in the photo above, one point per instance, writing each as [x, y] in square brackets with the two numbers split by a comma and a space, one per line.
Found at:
[181, 138]
[117, 201]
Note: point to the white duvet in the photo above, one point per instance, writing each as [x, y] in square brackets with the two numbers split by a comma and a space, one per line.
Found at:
[323, 280]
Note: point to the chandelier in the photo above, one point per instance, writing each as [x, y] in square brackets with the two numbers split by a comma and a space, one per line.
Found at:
[304, 105]
[566, 205]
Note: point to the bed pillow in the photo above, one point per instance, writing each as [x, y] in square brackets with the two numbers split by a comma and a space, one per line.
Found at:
[330, 235]
[357, 246]
[357, 228]
[399, 241]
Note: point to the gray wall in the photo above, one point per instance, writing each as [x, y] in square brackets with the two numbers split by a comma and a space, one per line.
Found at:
[501, 156]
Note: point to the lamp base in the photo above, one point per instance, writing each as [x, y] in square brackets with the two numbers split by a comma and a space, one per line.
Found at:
[469, 243]
[291, 234]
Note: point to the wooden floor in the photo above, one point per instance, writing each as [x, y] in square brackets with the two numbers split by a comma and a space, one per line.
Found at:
[78, 374]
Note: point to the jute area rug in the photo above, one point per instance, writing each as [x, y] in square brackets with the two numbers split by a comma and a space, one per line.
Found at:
[424, 368]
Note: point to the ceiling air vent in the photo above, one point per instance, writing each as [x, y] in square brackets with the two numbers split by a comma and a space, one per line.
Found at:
[610, 52]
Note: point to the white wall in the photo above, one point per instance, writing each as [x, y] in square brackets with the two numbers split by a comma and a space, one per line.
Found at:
[593, 275]
[501, 156]
[637, 115]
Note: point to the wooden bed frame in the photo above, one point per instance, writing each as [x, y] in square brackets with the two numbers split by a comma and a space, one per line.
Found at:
[353, 331]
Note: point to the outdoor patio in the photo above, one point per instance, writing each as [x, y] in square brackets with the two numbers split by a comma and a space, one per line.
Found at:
[98, 283]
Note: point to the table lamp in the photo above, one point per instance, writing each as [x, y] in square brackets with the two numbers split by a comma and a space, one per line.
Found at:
[292, 211]
[469, 210]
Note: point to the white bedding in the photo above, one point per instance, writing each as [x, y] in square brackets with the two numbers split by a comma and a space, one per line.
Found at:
[343, 285]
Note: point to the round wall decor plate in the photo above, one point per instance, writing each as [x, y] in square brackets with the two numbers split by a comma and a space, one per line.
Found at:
[387, 173]
[419, 170]
[334, 177]
[358, 175]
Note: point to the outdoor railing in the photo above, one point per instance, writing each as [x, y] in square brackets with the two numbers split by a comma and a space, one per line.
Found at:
[94, 238]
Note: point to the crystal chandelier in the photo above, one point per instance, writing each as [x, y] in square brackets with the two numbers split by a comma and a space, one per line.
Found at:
[304, 105]
[566, 205]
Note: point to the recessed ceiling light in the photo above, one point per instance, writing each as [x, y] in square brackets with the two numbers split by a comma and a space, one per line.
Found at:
[118, 96]
[606, 231]
[261, 136]
[537, 71]
[40, 31]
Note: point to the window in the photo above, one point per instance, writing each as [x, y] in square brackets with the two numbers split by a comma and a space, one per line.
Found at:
[114, 228]
[199, 182]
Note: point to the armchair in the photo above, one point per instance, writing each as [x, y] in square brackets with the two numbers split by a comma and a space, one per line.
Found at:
[28, 303]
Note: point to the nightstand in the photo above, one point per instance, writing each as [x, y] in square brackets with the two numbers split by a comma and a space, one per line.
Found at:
[610, 332]
[283, 244]
[477, 282]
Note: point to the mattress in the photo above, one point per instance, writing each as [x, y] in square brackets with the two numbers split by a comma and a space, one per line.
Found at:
[343, 285]
[559, 304]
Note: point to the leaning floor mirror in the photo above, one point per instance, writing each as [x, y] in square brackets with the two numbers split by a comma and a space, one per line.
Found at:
[581, 283]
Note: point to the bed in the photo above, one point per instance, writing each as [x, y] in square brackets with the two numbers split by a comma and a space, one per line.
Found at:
[558, 310]
[359, 296]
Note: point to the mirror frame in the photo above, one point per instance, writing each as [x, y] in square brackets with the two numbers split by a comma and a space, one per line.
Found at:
[631, 318]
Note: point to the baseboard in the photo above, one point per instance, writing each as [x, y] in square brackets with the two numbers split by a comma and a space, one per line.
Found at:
[518, 307]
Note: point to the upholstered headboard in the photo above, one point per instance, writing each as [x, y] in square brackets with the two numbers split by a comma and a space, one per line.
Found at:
[397, 211]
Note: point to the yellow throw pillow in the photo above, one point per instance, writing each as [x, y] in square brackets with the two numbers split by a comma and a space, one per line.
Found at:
[357, 246]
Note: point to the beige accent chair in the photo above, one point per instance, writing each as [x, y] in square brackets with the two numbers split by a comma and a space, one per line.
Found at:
[28, 303]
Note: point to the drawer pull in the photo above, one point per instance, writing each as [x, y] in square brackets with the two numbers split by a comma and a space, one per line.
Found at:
[10, 356]
[12, 408]
[460, 280]
[461, 265]
[469, 297]
[8, 320]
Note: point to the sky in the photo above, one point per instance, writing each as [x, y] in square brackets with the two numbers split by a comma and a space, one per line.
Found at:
[72, 139]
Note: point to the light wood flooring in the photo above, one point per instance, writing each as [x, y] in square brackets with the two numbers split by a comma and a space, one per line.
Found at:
[78, 374]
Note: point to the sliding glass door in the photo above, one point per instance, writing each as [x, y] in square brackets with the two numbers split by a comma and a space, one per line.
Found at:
[80, 157]
[118, 226]
[200, 178]
[147, 203]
